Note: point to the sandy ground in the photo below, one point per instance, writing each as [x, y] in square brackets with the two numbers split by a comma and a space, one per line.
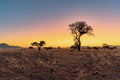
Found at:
[59, 64]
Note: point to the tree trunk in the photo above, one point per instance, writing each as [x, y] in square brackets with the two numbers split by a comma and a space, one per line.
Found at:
[39, 48]
[79, 45]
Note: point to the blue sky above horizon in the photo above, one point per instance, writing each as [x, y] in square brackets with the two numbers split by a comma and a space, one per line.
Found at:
[24, 21]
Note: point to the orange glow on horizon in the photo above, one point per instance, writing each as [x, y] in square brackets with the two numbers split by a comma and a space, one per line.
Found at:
[58, 34]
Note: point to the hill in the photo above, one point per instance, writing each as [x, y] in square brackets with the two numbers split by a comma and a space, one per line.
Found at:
[4, 45]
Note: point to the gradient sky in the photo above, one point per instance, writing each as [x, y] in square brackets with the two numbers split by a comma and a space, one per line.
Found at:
[25, 21]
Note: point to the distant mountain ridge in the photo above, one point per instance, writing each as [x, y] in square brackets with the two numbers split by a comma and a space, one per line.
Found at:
[4, 45]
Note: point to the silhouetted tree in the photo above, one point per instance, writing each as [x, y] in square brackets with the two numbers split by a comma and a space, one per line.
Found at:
[30, 47]
[39, 45]
[58, 47]
[36, 44]
[105, 46]
[78, 29]
[42, 43]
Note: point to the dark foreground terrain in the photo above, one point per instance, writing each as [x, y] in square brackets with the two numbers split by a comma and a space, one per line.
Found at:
[59, 65]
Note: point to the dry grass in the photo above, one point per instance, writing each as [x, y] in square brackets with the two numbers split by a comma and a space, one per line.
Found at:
[59, 64]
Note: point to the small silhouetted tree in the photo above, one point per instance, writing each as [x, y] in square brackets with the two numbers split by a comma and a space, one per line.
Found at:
[105, 46]
[36, 44]
[77, 30]
[39, 45]
[42, 43]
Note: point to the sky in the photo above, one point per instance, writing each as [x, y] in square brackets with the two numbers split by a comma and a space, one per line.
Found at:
[25, 21]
